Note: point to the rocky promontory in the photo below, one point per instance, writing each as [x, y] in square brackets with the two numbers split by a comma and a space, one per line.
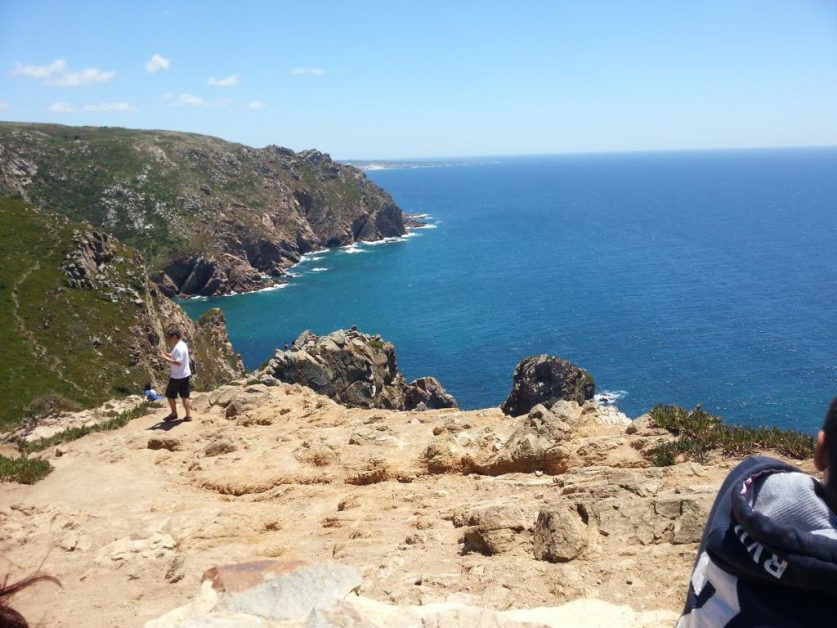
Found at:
[278, 506]
[356, 370]
[545, 379]
[211, 217]
[439, 511]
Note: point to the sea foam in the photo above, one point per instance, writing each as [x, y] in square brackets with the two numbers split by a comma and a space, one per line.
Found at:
[609, 397]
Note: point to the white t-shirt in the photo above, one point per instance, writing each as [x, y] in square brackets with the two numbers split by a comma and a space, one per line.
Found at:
[181, 354]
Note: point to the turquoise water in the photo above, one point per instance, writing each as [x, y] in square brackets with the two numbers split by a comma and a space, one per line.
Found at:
[695, 277]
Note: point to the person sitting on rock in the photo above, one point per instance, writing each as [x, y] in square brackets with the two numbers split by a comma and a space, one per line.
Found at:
[768, 556]
[150, 393]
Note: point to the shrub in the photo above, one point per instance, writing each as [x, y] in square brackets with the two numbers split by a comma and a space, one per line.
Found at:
[50, 405]
[699, 433]
[23, 470]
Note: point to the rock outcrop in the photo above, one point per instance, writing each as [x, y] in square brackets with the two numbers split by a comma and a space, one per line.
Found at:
[216, 217]
[275, 592]
[356, 370]
[537, 444]
[400, 503]
[545, 379]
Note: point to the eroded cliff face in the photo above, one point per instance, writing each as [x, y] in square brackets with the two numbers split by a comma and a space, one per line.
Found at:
[212, 217]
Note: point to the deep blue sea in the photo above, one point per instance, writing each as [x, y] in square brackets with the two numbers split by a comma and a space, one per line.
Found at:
[683, 277]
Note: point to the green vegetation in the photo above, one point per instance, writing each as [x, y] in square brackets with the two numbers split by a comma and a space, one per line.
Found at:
[581, 386]
[26, 470]
[172, 194]
[47, 353]
[699, 433]
[23, 470]
[74, 433]
[50, 405]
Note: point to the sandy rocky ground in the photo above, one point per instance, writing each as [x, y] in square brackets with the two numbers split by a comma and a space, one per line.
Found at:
[438, 509]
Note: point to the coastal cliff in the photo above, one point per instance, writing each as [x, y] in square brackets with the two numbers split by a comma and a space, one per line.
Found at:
[81, 320]
[211, 217]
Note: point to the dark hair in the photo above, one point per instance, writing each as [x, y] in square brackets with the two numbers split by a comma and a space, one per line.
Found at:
[829, 426]
[147, 386]
[9, 617]
[174, 331]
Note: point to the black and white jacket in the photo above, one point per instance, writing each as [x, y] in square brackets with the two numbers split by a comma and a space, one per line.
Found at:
[768, 556]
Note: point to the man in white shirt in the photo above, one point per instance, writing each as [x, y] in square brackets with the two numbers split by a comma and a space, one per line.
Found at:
[180, 374]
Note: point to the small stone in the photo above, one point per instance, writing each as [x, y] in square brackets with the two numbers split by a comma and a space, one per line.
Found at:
[218, 447]
[174, 572]
[163, 442]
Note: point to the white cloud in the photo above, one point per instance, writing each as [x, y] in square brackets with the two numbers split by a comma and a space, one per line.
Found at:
[307, 72]
[57, 73]
[3, 105]
[184, 100]
[61, 107]
[156, 63]
[40, 71]
[230, 81]
[256, 104]
[89, 76]
[110, 106]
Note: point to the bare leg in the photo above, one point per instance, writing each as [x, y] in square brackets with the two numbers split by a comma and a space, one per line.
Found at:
[173, 406]
[187, 406]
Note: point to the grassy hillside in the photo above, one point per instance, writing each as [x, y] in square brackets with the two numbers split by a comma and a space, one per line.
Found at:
[179, 196]
[83, 344]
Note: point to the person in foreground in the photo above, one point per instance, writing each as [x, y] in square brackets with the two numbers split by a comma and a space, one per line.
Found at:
[178, 359]
[768, 556]
[9, 617]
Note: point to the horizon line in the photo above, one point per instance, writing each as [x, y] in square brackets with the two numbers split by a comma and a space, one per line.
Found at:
[615, 151]
[569, 153]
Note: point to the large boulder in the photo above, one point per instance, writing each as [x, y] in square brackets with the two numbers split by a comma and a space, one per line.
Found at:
[538, 444]
[545, 379]
[496, 528]
[428, 391]
[608, 509]
[356, 370]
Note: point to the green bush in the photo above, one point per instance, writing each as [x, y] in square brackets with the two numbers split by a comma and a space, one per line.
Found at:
[23, 470]
[699, 433]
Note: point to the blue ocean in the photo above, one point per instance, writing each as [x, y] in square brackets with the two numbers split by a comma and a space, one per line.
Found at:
[681, 277]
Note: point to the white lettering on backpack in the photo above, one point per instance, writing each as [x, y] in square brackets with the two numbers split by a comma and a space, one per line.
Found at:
[774, 565]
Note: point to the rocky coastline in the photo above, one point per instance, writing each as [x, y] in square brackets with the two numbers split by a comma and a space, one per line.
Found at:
[324, 488]
[212, 217]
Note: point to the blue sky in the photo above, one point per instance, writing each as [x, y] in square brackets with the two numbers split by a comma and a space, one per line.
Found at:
[396, 79]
